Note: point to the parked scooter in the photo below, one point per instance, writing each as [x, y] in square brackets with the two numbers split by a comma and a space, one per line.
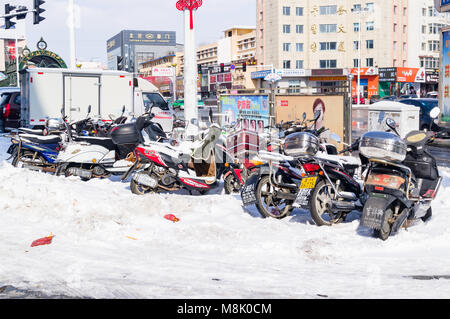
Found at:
[403, 179]
[196, 166]
[100, 157]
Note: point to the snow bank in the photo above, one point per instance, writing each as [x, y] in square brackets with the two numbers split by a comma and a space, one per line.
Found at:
[112, 244]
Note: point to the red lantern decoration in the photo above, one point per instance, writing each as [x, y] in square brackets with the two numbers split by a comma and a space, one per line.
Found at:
[189, 5]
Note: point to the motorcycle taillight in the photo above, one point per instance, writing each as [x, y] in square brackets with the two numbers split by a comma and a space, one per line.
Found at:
[311, 168]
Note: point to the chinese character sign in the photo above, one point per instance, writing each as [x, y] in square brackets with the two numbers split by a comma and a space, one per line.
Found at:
[249, 112]
[445, 70]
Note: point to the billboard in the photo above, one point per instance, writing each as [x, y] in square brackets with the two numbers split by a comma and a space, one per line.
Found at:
[442, 5]
[444, 91]
[291, 107]
[250, 112]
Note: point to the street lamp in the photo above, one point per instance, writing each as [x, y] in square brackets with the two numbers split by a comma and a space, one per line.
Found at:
[359, 10]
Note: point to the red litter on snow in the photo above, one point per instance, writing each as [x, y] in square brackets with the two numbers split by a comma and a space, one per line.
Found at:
[43, 241]
[172, 218]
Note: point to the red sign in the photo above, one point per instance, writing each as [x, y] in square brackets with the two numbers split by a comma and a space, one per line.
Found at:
[364, 71]
[284, 103]
[411, 75]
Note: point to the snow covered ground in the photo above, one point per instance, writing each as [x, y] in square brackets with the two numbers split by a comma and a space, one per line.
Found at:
[110, 243]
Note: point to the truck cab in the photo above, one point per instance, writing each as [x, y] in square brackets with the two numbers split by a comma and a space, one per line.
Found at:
[147, 96]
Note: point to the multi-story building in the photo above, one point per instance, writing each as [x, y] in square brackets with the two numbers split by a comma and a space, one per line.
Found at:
[9, 52]
[137, 47]
[346, 34]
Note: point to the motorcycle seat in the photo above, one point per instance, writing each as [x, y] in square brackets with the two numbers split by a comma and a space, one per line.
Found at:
[30, 131]
[44, 140]
[105, 142]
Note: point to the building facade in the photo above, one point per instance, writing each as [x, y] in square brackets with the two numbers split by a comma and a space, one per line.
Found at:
[9, 52]
[305, 34]
[136, 47]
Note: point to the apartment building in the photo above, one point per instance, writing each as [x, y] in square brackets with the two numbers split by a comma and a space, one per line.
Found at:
[305, 34]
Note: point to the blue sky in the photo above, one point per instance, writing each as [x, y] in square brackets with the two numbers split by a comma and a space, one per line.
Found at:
[101, 19]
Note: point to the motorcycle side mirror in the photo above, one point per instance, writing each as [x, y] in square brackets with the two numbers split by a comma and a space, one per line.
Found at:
[123, 110]
[336, 138]
[392, 125]
[435, 112]
[304, 116]
[317, 115]
[89, 109]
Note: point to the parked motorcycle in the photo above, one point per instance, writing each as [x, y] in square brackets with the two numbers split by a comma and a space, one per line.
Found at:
[196, 166]
[100, 157]
[403, 179]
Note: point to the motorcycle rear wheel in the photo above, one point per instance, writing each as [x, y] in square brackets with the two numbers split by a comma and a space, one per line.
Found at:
[386, 228]
[268, 206]
[230, 185]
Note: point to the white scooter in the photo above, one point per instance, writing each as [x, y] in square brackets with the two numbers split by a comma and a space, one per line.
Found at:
[100, 157]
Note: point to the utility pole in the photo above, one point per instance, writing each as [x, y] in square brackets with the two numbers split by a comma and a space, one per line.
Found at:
[71, 21]
[358, 85]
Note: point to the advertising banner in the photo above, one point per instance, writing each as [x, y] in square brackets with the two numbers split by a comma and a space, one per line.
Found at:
[445, 77]
[411, 75]
[291, 107]
[250, 112]
[156, 71]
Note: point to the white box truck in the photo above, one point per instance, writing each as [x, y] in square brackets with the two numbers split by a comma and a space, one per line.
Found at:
[45, 91]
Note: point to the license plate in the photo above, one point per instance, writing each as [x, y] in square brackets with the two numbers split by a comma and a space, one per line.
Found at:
[308, 183]
[145, 180]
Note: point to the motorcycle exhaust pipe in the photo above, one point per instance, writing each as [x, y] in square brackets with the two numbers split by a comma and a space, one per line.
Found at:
[341, 206]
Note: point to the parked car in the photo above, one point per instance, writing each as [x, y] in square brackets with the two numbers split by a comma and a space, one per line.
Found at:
[374, 99]
[389, 98]
[362, 100]
[425, 105]
[409, 96]
[432, 95]
[9, 108]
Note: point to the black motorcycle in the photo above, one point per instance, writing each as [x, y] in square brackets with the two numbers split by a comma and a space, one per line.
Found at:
[402, 181]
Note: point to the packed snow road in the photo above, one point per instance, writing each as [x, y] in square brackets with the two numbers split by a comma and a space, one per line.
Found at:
[110, 243]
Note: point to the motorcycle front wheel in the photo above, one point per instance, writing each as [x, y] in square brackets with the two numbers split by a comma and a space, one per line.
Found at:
[231, 185]
[267, 203]
[140, 189]
[320, 205]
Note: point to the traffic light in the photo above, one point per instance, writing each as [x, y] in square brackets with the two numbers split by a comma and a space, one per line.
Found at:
[120, 63]
[23, 15]
[244, 67]
[37, 11]
[222, 67]
[199, 69]
[8, 9]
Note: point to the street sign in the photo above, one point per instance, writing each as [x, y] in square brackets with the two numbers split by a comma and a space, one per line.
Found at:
[273, 77]
[162, 72]
[232, 67]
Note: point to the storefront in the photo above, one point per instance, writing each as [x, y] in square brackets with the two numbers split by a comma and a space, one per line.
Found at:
[401, 81]
[326, 81]
[431, 82]
[368, 81]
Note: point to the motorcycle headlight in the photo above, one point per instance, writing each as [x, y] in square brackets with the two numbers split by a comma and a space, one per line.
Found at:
[436, 121]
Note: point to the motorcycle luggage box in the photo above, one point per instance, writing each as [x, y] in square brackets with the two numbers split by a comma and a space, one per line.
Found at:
[383, 146]
[125, 134]
[301, 144]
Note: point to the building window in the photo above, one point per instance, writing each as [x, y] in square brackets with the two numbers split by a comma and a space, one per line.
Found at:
[395, 9]
[328, 28]
[369, 44]
[404, 46]
[286, 11]
[326, 10]
[405, 28]
[356, 7]
[431, 12]
[355, 45]
[299, 28]
[424, 29]
[429, 63]
[299, 11]
[356, 27]
[395, 27]
[370, 7]
[395, 45]
[299, 64]
[424, 46]
[433, 45]
[370, 26]
[356, 63]
[286, 64]
[286, 28]
[328, 64]
[369, 62]
[435, 28]
[394, 63]
[328, 46]
[286, 47]
[299, 47]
